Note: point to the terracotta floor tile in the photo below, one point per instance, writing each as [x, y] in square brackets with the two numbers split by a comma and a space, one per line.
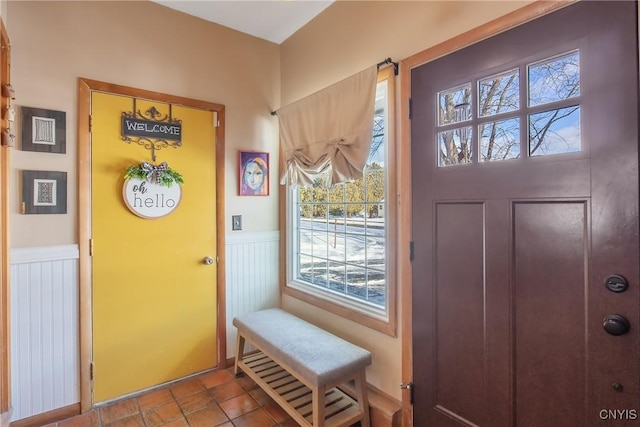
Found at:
[215, 378]
[195, 402]
[289, 422]
[260, 396]
[118, 410]
[90, 419]
[226, 391]
[131, 421]
[154, 398]
[257, 418]
[162, 414]
[209, 417]
[186, 388]
[239, 405]
[246, 383]
[276, 411]
[180, 422]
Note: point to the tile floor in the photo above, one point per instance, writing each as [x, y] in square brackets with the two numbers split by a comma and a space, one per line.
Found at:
[208, 400]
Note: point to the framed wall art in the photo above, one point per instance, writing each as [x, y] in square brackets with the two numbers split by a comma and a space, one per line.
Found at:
[254, 173]
[43, 130]
[44, 192]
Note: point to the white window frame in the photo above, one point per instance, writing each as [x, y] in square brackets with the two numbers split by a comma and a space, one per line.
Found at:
[376, 317]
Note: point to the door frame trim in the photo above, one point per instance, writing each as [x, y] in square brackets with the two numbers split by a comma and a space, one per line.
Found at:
[5, 320]
[85, 87]
[520, 16]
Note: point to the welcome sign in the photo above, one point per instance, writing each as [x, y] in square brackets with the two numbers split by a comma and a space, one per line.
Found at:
[143, 128]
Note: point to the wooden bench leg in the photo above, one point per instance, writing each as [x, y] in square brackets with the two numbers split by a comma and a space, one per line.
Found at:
[239, 354]
[318, 406]
[361, 395]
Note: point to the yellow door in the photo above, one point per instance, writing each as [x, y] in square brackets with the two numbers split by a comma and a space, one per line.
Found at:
[154, 299]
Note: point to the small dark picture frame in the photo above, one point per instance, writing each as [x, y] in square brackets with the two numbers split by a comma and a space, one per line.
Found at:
[253, 179]
[44, 192]
[43, 130]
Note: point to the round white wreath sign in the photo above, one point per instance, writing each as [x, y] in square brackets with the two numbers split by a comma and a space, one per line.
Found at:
[150, 200]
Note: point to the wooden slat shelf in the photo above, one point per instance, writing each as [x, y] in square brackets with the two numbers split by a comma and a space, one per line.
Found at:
[295, 397]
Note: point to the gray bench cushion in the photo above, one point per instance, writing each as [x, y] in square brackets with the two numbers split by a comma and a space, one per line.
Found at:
[315, 354]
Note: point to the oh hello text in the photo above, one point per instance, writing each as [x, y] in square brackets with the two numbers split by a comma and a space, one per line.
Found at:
[150, 200]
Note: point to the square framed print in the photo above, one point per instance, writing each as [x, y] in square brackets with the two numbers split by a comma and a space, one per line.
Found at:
[44, 130]
[44, 192]
[254, 173]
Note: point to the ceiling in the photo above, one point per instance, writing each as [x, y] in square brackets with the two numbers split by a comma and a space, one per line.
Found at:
[272, 20]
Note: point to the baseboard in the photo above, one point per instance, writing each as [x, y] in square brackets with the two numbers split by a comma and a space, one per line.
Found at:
[5, 418]
[49, 417]
[230, 362]
[384, 410]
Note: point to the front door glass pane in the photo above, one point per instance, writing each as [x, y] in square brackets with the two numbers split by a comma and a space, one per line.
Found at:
[554, 79]
[500, 140]
[454, 147]
[454, 105]
[499, 94]
[555, 132]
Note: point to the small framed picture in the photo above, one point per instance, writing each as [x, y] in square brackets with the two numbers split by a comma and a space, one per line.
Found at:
[43, 130]
[254, 173]
[44, 192]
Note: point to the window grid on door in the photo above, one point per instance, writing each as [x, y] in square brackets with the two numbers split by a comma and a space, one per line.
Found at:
[485, 120]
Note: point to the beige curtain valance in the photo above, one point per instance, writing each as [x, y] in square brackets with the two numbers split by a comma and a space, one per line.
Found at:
[329, 130]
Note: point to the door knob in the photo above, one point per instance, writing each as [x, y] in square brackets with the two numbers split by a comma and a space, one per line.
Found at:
[616, 324]
[207, 260]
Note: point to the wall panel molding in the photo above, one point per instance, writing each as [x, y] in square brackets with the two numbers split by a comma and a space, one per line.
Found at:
[252, 275]
[44, 253]
[257, 237]
[44, 329]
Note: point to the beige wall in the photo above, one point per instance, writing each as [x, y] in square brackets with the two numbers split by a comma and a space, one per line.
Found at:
[346, 38]
[143, 45]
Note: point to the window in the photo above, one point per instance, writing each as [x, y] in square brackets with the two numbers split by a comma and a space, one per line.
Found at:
[338, 238]
[548, 123]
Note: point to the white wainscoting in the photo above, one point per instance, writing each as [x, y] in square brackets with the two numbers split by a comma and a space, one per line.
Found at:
[44, 314]
[252, 276]
[44, 329]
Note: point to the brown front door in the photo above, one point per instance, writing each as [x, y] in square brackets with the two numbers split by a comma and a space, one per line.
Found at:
[525, 199]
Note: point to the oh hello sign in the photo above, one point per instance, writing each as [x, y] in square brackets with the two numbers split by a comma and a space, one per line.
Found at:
[150, 200]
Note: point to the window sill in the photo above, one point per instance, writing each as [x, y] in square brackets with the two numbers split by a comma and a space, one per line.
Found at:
[385, 326]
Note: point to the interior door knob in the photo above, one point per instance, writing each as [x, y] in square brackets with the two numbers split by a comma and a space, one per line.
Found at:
[207, 260]
[616, 324]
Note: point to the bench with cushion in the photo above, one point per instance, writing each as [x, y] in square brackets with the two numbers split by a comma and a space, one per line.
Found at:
[301, 366]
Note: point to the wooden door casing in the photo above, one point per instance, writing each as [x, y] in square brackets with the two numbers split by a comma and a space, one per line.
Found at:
[85, 88]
